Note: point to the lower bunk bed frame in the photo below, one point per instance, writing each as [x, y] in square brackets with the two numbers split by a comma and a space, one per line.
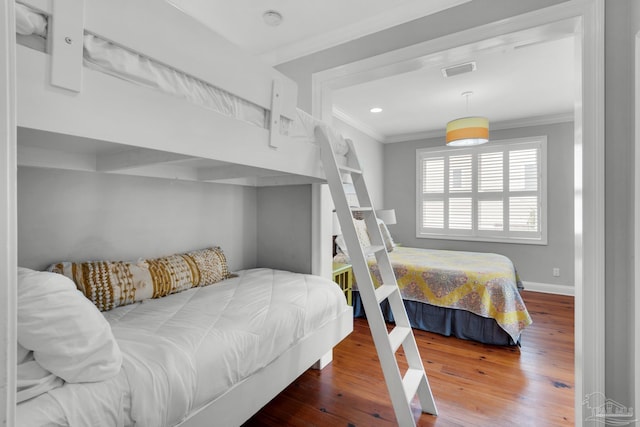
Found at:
[246, 398]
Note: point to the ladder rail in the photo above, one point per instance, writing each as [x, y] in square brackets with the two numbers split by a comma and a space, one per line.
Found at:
[386, 271]
[402, 388]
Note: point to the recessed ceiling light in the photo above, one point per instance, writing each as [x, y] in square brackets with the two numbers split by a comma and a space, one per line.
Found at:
[272, 18]
[376, 110]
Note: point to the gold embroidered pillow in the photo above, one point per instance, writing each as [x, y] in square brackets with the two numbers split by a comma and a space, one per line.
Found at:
[211, 264]
[111, 284]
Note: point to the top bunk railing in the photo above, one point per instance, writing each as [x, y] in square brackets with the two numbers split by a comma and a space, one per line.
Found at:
[112, 110]
[172, 40]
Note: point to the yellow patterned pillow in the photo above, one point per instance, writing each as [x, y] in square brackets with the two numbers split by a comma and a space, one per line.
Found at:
[111, 284]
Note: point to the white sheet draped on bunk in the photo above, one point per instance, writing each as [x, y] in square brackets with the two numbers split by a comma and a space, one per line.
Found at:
[31, 28]
[125, 64]
[29, 22]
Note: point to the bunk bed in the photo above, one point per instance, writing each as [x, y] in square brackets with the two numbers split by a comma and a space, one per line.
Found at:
[78, 108]
[144, 100]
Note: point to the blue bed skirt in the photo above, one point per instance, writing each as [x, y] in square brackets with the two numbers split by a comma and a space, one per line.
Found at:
[444, 321]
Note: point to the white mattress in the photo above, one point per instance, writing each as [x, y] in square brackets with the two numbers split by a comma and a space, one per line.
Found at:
[186, 349]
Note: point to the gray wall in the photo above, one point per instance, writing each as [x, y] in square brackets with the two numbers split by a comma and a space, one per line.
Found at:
[75, 216]
[533, 262]
[284, 228]
[622, 23]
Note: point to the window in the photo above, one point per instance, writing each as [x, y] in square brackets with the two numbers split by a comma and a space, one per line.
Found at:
[494, 192]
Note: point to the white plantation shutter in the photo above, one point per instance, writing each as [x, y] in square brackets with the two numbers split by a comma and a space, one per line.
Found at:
[460, 207]
[495, 192]
[460, 178]
[433, 214]
[490, 215]
[523, 170]
[490, 172]
[460, 213]
[523, 181]
[523, 213]
[433, 175]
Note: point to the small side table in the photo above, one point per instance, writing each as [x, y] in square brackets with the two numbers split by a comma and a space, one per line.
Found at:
[343, 276]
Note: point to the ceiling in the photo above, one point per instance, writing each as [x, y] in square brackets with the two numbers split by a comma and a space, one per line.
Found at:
[513, 85]
[307, 26]
[519, 80]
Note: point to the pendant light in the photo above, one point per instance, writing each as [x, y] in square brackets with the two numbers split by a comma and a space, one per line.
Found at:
[467, 131]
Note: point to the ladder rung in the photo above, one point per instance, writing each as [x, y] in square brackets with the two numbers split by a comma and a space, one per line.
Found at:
[397, 336]
[372, 250]
[411, 382]
[350, 170]
[383, 292]
[361, 209]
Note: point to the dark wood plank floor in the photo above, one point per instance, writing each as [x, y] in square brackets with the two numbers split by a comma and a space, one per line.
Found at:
[473, 384]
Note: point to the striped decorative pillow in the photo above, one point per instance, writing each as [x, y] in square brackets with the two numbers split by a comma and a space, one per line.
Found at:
[110, 284]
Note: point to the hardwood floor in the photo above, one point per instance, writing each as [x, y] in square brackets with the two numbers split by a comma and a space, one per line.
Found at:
[473, 384]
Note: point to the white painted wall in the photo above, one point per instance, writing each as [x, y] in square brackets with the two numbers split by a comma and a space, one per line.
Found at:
[533, 262]
[76, 216]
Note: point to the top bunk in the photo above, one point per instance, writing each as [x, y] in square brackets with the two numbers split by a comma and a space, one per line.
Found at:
[140, 88]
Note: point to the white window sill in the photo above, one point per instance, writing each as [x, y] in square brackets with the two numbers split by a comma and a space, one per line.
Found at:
[513, 240]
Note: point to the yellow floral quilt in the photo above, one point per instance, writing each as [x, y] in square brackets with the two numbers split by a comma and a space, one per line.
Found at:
[483, 283]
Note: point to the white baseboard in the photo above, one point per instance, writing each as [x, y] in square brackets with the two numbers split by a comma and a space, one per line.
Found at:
[549, 288]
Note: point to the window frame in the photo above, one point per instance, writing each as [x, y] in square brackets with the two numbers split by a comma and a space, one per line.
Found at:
[474, 234]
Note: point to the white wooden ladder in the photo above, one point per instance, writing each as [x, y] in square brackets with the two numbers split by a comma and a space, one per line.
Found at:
[402, 388]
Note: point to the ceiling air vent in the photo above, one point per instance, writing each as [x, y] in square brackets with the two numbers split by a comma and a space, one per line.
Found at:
[454, 70]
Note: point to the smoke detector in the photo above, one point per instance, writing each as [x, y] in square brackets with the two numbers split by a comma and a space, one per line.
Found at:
[455, 70]
[272, 18]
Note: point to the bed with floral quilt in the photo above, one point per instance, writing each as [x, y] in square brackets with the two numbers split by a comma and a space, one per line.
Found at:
[469, 295]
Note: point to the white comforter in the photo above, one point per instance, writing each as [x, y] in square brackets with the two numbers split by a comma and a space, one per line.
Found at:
[184, 350]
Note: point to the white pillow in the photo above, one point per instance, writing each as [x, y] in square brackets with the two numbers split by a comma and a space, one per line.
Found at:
[69, 337]
[361, 232]
[386, 236]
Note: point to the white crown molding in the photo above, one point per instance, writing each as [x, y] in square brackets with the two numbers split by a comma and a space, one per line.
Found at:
[549, 288]
[550, 119]
[390, 18]
[415, 136]
[507, 124]
[357, 124]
